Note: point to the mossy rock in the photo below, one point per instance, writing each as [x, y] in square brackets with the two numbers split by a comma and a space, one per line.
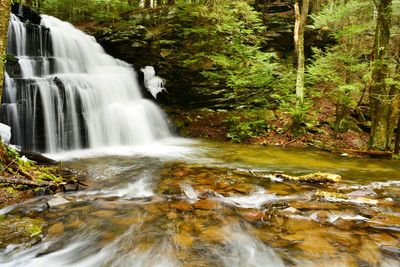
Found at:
[19, 230]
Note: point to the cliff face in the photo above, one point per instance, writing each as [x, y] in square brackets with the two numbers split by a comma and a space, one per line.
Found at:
[188, 88]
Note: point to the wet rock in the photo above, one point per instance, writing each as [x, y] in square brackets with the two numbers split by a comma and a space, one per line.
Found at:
[207, 194]
[181, 173]
[172, 216]
[385, 221]
[314, 205]
[344, 238]
[57, 201]
[252, 215]
[207, 204]
[339, 197]
[189, 192]
[183, 240]
[391, 250]
[56, 229]
[369, 253]
[104, 213]
[75, 224]
[343, 224]
[222, 185]
[19, 230]
[182, 206]
[318, 177]
[126, 221]
[312, 241]
[289, 211]
[71, 187]
[385, 239]
[240, 188]
[322, 216]
[106, 238]
[316, 245]
[293, 225]
[367, 211]
[204, 213]
[362, 193]
[213, 234]
[153, 208]
[280, 189]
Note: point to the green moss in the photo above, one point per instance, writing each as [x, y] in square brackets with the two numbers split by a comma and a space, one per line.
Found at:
[34, 228]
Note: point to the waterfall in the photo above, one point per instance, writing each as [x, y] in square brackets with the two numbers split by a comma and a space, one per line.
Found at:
[63, 92]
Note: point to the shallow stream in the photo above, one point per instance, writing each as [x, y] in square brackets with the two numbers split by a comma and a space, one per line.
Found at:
[193, 203]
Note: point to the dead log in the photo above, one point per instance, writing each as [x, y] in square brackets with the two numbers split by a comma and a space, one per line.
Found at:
[38, 158]
[21, 181]
[371, 153]
[318, 177]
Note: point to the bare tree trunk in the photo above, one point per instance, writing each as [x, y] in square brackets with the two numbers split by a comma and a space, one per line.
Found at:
[299, 26]
[5, 8]
[379, 94]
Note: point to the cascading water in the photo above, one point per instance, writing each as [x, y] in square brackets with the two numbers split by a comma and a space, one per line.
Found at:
[64, 92]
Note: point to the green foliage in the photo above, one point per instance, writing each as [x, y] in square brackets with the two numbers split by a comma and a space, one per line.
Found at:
[102, 11]
[221, 43]
[349, 19]
[242, 130]
[340, 74]
[298, 114]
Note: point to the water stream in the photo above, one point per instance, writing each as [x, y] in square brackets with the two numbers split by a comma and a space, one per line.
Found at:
[206, 204]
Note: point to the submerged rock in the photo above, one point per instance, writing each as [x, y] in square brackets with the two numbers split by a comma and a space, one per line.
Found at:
[56, 229]
[207, 204]
[385, 221]
[184, 240]
[182, 206]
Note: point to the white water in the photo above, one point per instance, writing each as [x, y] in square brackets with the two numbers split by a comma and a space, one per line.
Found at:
[153, 83]
[88, 98]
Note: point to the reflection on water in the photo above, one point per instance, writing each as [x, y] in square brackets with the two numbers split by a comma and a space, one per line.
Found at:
[207, 204]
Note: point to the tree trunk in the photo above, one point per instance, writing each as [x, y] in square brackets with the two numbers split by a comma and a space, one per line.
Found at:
[5, 8]
[147, 3]
[379, 94]
[397, 73]
[299, 26]
[397, 142]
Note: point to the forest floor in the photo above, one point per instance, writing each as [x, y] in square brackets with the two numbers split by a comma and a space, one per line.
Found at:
[217, 124]
[22, 178]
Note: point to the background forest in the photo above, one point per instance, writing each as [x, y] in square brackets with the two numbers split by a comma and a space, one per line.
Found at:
[230, 66]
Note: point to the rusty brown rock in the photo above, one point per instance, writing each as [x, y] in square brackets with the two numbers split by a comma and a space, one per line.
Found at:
[314, 205]
[182, 206]
[207, 204]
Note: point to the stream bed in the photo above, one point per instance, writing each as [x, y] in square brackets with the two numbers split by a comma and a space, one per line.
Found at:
[194, 203]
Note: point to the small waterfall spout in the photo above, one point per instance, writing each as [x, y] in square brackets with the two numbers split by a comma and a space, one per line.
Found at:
[64, 92]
